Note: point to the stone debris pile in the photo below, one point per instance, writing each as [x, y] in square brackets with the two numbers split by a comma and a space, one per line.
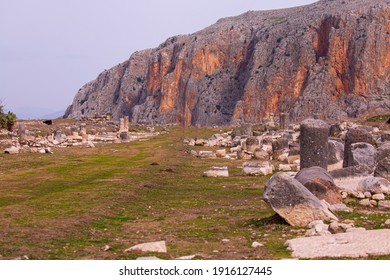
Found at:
[353, 170]
[37, 137]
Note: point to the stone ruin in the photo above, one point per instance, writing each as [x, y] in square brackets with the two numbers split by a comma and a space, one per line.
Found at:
[34, 137]
[319, 166]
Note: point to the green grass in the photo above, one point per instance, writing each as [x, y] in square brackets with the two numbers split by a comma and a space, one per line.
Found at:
[379, 118]
[70, 204]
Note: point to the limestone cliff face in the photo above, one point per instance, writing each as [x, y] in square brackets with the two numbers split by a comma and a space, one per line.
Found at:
[331, 58]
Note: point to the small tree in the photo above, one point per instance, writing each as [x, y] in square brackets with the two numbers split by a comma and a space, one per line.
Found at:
[10, 120]
[7, 120]
[2, 117]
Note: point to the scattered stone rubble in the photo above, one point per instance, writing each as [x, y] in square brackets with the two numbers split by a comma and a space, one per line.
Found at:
[336, 162]
[37, 137]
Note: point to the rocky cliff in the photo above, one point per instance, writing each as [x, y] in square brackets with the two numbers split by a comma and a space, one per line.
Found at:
[331, 57]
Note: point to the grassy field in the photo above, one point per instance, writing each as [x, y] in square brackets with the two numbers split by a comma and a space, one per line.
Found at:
[70, 204]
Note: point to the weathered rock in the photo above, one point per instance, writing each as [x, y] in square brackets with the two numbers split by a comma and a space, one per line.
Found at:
[256, 244]
[270, 121]
[124, 136]
[267, 148]
[220, 153]
[261, 154]
[105, 248]
[365, 202]
[358, 194]
[281, 155]
[362, 154]
[335, 130]
[288, 167]
[367, 194]
[335, 152]
[383, 152]
[333, 61]
[217, 172]
[352, 244]
[357, 170]
[236, 133]
[384, 204]
[121, 125]
[339, 207]
[284, 120]
[280, 144]
[314, 143]
[385, 137]
[21, 131]
[12, 150]
[317, 228]
[293, 159]
[252, 143]
[257, 168]
[206, 154]
[379, 196]
[257, 133]
[319, 182]
[349, 179]
[126, 123]
[294, 149]
[152, 258]
[354, 135]
[375, 185]
[189, 257]
[89, 144]
[293, 202]
[383, 169]
[336, 227]
[244, 155]
[200, 142]
[158, 247]
[246, 130]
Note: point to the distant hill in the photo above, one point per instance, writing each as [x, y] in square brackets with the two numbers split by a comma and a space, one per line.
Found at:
[331, 58]
[31, 113]
[55, 115]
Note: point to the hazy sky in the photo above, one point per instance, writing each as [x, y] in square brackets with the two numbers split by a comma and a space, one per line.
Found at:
[50, 48]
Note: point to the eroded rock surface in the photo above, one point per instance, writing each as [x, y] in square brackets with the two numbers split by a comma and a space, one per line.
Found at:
[293, 202]
[352, 244]
[334, 61]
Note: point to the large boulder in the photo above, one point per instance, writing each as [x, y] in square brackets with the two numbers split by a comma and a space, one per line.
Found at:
[375, 185]
[383, 169]
[383, 152]
[354, 135]
[361, 154]
[293, 202]
[348, 179]
[320, 183]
